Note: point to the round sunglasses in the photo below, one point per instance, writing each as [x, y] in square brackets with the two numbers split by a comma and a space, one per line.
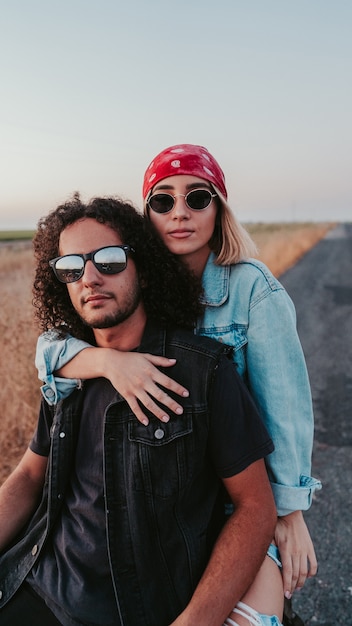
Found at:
[197, 200]
[108, 260]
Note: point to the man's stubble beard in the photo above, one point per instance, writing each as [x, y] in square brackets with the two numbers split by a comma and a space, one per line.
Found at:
[122, 312]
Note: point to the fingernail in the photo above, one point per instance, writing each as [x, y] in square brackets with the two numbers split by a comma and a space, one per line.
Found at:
[172, 360]
[179, 410]
[185, 394]
[145, 422]
[288, 595]
[165, 418]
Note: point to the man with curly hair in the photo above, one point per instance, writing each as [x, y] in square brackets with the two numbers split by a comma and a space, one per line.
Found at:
[107, 521]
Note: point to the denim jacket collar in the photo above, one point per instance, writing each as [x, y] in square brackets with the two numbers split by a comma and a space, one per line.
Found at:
[216, 279]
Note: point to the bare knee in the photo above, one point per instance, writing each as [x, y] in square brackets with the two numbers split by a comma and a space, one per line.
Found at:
[265, 595]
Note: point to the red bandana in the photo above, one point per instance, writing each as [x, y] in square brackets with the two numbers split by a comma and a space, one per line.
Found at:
[184, 158]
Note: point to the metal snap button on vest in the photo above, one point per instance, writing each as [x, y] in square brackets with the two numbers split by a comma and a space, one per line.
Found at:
[159, 433]
[62, 435]
[34, 550]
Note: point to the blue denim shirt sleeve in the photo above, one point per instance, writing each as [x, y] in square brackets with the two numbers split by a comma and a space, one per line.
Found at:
[52, 353]
[249, 309]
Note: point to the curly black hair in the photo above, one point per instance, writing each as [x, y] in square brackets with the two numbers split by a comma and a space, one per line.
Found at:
[170, 292]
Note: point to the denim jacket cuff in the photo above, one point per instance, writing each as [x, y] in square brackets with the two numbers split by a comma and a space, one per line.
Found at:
[289, 499]
[56, 389]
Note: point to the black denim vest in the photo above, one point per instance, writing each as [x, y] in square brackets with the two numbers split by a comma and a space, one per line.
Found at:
[164, 503]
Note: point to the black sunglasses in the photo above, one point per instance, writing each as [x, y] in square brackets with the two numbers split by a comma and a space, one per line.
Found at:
[197, 200]
[109, 260]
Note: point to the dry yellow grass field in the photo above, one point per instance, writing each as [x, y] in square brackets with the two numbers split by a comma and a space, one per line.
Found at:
[19, 385]
[280, 246]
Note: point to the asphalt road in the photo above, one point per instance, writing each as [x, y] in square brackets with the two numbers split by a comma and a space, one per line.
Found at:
[321, 288]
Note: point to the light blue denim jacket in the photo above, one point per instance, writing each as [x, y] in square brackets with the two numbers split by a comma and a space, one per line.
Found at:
[250, 310]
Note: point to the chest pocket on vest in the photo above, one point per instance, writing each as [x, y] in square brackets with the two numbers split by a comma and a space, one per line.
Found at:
[162, 454]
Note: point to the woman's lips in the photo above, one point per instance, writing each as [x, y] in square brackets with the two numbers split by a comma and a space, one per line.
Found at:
[180, 234]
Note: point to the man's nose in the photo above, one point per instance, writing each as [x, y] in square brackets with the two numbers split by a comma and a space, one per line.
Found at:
[91, 275]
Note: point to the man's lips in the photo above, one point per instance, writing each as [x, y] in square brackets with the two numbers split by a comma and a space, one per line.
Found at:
[96, 298]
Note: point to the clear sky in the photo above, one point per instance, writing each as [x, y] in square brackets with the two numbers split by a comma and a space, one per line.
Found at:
[91, 90]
